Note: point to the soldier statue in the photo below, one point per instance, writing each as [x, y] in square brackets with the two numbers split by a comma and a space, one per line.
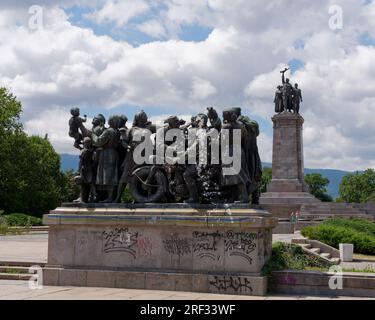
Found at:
[297, 98]
[287, 92]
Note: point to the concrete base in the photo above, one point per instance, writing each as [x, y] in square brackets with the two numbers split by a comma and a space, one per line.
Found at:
[240, 284]
[323, 283]
[223, 247]
[282, 204]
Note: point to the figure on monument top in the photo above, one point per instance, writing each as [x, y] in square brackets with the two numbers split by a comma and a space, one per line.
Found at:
[287, 97]
[287, 92]
[297, 98]
[279, 106]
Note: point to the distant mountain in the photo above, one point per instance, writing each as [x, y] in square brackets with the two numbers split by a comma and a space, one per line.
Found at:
[70, 162]
[334, 177]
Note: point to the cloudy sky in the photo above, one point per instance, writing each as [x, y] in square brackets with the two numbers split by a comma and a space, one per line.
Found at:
[179, 56]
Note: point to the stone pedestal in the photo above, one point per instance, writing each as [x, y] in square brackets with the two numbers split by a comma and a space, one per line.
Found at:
[203, 249]
[287, 190]
[287, 156]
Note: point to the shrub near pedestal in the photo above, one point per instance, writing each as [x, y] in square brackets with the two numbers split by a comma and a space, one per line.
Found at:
[359, 232]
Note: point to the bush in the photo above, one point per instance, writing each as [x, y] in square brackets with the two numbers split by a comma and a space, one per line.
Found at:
[360, 225]
[290, 256]
[21, 220]
[359, 232]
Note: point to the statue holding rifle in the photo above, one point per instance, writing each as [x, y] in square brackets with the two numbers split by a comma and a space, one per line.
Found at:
[287, 97]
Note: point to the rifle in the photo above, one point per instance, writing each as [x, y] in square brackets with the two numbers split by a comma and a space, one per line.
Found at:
[285, 70]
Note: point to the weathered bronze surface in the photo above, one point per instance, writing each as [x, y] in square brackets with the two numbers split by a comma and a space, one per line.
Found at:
[107, 162]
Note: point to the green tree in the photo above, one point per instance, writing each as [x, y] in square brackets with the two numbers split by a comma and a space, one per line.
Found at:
[371, 198]
[30, 178]
[317, 185]
[69, 189]
[266, 178]
[10, 112]
[358, 187]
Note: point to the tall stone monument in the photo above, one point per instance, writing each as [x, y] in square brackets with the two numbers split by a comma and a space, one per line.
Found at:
[287, 191]
[287, 157]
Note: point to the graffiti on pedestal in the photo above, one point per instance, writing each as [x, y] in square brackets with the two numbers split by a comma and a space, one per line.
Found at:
[205, 244]
[231, 283]
[120, 240]
[177, 246]
[144, 246]
[240, 244]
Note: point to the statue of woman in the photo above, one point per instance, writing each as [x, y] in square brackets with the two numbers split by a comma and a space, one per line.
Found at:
[107, 169]
[279, 105]
[140, 124]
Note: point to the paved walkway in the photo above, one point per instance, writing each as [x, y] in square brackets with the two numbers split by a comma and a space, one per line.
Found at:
[19, 290]
[24, 248]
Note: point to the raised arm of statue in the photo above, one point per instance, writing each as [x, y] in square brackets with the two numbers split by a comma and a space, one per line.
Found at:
[283, 77]
[283, 74]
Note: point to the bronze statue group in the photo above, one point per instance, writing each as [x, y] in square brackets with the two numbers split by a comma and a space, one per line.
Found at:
[107, 163]
[287, 97]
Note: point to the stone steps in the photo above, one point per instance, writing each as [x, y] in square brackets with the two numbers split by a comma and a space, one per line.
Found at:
[318, 249]
[26, 264]
[13, 270]
[326, 255]
[323, 211]
[315, 250]
[14, 276]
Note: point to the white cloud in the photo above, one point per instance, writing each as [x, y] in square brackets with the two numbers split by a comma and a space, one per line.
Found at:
[118, 11]
[202, 89]
[237, 65]
[153, 28]
[54, 123]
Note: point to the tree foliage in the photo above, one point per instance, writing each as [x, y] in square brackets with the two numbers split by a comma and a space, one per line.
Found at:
[371, 198]
[317, 185]
[266, 178]
[30, 178]
[10, 112]
[358, 187]
[69, 188]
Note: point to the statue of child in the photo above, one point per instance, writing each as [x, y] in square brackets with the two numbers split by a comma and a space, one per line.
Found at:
[76, 127]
